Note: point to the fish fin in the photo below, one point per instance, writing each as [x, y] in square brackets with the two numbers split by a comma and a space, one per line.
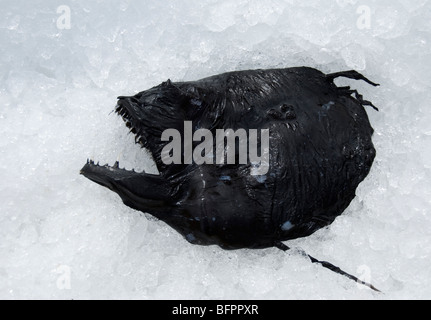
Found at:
[329, 266]
[358, 96]
[352, 74]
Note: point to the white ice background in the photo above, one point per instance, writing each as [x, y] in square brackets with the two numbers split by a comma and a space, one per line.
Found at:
[64, 237]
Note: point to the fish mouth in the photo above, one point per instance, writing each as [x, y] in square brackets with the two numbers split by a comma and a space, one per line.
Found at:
[140, 191]
[128, 108]
[126, 183]
[106, 175]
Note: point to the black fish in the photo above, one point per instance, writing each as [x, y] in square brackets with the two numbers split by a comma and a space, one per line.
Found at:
[320, 150]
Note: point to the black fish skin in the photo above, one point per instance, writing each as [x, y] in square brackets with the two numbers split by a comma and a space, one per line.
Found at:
[320, 151]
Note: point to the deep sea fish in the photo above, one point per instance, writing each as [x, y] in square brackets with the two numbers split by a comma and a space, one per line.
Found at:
[319, 150]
